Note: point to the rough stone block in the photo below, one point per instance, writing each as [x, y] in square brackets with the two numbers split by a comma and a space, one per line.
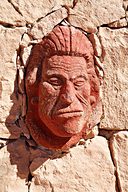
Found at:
[46, 24]
[9, 16]
[32, 10]
[115, 86]
[14, 167]
[89, 15]
[119, 148]
[82, 169]
[10, 104]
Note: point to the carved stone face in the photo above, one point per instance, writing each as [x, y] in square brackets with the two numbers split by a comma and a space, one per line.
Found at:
[62, 86]
[64, 95]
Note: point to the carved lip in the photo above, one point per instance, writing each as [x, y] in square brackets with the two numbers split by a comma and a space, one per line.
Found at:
[69, 113]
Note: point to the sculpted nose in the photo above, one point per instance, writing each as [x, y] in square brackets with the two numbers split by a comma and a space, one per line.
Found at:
[66, 98]
[67, 95]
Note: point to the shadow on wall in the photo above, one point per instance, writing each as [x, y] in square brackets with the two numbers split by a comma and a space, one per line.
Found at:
[24, 153]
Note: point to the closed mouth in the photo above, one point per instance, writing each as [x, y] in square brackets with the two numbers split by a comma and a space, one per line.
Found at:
[69, 113]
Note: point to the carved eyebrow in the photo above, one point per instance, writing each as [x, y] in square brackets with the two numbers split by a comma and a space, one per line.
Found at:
[54, 75]
[80, 76]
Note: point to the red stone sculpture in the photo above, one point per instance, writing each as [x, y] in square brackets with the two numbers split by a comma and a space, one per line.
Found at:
[62, 85]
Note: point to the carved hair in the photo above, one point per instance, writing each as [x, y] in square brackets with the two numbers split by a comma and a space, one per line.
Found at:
[63, 40]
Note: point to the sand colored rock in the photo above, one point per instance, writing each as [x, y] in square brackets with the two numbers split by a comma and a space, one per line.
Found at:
[119, 148]
[115, 86]
[125, 5]
[10, 38]
[32, 10]
[96, 44]
[9, 16]
[79, 170]
[14, 167]
[118, 24]
[46, 24]
[10, 103]
[90, 14]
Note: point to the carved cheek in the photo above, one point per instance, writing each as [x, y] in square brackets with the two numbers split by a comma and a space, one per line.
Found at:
[47, 97]
[46, 90]
[86, 91]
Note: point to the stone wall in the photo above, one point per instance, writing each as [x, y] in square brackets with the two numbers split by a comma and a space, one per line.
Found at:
[99, 164]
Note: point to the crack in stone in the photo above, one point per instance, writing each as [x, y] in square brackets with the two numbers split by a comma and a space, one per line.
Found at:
[15, 7]
[74, 3]
[9, 25]
[52, 188]
[112, 27]
[2, 145]
[125, 7]
[39, 19]
[6, 25]
[68, 11]
[116, 173]
[7, 141]
[117, 184]
[29, 180]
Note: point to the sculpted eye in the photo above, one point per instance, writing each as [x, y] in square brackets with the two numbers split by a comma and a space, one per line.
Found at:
[55, 81]
[79, 82]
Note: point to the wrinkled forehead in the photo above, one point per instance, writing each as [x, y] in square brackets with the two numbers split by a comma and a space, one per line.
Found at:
[66, 63]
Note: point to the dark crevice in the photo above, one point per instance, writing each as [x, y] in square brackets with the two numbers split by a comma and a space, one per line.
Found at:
[2, 145]
[114, 28]
[107, 25]
[30, 176]
[7, 141]
[29, 184]
[19, 60]
[107, 133]
[120, 18]
[67, 8]
[51, 187]
[38, 20]
[15, 7]
[29, 25]
[74, 3]
[17, 123]
[9, 25]
[125, 7]
[22, 36]
[115, 173]
[29, 180]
